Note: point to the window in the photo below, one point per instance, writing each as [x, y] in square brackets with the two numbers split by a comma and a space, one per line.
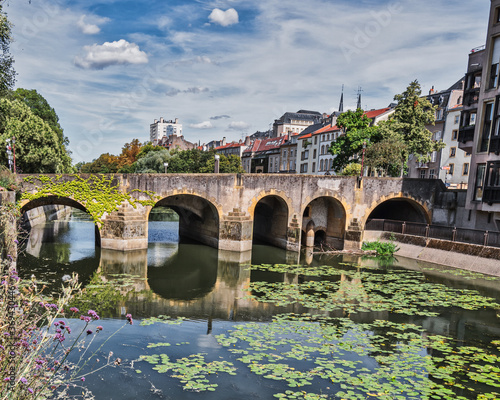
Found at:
[305, 155]
[437, 135]
[284, 166]
[321, 165]
[284, 153]
[457, 119]
[432, 174]
[467, 154]
[291, 152]
[488, 118]
[452, 169]
[322, 150]
[303, 168]
[495, 58]
[315, 140]
[454, 134]
[434, 156]
[472, 118]
[465, 169]
[314, 154]
[478, 192]
[422, 174]
[314, 167]
[439, 114]
[453, 151]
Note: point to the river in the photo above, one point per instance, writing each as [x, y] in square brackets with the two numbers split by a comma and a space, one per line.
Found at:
[207, 326]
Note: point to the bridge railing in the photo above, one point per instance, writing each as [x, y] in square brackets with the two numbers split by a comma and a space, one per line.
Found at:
[451, 233]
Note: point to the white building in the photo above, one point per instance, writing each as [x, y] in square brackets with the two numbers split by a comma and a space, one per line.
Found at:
[162, 128]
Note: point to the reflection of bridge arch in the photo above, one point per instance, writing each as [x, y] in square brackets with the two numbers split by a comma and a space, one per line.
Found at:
[27, 205]
[324, 220]
[270, 216]
[398, 208]
[198, 217]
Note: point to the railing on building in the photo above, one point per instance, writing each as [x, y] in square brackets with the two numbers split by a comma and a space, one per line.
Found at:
[451, 233]
[478, 48]
[471, 96]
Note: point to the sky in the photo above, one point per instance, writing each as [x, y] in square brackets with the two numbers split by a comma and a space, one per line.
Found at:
[227, 68]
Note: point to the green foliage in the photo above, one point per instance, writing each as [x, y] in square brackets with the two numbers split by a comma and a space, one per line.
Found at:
[152, 161]
[98, 193]
[7, 179]
[148, 148]
[407, 125]
[386, 156]
[352, 169]
[382, 248]
[41, 108]
[357, 132]
[38, 148]
[7, 73]
[105, 164]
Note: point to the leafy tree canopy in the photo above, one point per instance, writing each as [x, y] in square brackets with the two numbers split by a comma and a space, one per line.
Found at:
[7, 73]
[357, 132]
[408, 122]
[37, 146]
[105, 164]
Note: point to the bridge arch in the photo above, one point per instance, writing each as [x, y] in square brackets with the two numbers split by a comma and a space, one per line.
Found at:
[399, 208]
[27, 205]
[324, 222]
[271, 212]
[198, 217]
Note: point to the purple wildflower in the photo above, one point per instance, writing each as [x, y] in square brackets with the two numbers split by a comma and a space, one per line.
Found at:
[89, 332]
[82, 379]
[74, 309]
[129, 319]
[30, 390]
[23, 380]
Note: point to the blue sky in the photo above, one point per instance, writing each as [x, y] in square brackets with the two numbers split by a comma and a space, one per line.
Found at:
[227, 68]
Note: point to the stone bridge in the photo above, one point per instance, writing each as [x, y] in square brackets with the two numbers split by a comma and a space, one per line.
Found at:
[230, 211]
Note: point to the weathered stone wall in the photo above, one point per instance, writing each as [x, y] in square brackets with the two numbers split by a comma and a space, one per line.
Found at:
[470, 257]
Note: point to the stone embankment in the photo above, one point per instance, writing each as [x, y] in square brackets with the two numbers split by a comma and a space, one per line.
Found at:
[470, 257]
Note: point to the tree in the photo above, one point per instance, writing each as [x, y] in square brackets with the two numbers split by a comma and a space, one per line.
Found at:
[105, 164]
[227, 165]
[357, 132]
[352, 169]
[129, 155]
[408, 122]
[41, 108]
[38, 148]
[153, 161]
[7, 73]
[386, 155]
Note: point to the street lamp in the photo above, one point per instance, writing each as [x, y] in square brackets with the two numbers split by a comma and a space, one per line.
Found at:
[165, 164]
[363, 160]
[216, 168]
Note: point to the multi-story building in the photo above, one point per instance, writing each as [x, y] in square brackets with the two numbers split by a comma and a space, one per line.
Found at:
[479, 131]
[293, 123]
[307, 150]
[233, 148]
[162, 128]
[288, 156]
[263, 156]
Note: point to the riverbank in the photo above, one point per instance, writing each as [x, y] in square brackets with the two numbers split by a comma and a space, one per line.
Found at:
[465, 256]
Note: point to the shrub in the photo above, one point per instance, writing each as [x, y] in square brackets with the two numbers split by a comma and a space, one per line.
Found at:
[7, 179]
[382, 248]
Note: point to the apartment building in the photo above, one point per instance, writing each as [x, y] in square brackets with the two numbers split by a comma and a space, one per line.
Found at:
[292, 123]
[479, 130]
[162, 128]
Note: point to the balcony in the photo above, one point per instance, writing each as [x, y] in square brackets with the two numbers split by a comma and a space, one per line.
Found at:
[422, 165]
[491, 194]
[471, 97]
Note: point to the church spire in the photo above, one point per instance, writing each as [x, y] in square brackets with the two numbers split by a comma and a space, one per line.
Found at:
[341, 105]
[359, 98]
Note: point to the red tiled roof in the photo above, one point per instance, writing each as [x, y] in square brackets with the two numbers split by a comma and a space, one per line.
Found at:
[272, 143]
[326, 129]
[375, 113]
[229, 145]
[253, 147]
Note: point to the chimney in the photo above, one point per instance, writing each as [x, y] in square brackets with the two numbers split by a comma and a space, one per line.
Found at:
[224, 141]
[432, 90]
[161, 120]
[177, 120]
[156, 121]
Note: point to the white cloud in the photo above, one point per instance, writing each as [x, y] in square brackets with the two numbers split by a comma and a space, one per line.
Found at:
[202, 125]
[91, 28]
[224, 18]
[238, 126]
[111, 53]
